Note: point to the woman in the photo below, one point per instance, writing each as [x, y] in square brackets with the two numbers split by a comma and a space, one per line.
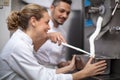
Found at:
[17, 60]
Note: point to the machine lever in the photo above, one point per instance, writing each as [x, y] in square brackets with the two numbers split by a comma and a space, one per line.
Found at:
[115, 9]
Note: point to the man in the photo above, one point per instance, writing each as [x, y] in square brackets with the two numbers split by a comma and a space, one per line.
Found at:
[50, 54]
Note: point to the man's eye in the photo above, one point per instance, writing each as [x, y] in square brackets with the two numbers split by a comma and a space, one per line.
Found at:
[62, 11]
[46, 22]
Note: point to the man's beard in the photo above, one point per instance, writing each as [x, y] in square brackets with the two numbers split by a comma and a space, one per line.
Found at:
[57, 22]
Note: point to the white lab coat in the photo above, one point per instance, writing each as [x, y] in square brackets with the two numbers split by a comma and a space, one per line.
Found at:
[17, 61]
[51, 54]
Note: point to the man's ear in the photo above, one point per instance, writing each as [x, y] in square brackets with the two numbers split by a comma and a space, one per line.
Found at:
[52, 8]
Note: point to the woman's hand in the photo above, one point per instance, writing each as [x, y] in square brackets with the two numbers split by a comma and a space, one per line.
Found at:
[92, 69]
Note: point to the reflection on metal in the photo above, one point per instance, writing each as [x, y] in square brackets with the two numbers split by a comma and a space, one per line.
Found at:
[75, 32]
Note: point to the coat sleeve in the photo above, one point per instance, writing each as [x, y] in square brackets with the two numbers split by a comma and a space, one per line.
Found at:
[23, 62]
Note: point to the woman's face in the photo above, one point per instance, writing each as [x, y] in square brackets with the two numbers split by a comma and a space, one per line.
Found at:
[42, 26]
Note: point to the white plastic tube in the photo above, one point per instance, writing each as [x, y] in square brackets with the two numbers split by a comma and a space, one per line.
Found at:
[94, 35]
[75, 48]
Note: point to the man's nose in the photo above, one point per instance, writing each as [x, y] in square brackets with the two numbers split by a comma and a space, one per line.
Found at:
[65, 15]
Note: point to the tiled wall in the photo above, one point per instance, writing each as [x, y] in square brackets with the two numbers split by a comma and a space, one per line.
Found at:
[4, 33]
[4, 12]
[17, 4]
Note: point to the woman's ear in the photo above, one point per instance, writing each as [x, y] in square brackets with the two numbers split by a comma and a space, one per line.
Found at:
[33, 21]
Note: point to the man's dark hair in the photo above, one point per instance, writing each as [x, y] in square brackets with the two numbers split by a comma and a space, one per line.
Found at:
[55, 2]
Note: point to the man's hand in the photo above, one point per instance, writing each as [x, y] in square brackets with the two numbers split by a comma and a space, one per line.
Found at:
[56, 37]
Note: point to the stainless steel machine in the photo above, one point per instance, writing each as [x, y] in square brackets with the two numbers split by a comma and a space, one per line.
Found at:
[107, 43]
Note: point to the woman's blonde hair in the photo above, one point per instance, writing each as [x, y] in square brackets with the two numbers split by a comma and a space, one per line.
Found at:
[21, 18]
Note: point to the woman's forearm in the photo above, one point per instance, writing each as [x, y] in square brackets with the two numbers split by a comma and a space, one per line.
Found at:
[63, 70]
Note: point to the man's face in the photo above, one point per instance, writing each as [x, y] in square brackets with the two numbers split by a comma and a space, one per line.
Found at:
[60, 13]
